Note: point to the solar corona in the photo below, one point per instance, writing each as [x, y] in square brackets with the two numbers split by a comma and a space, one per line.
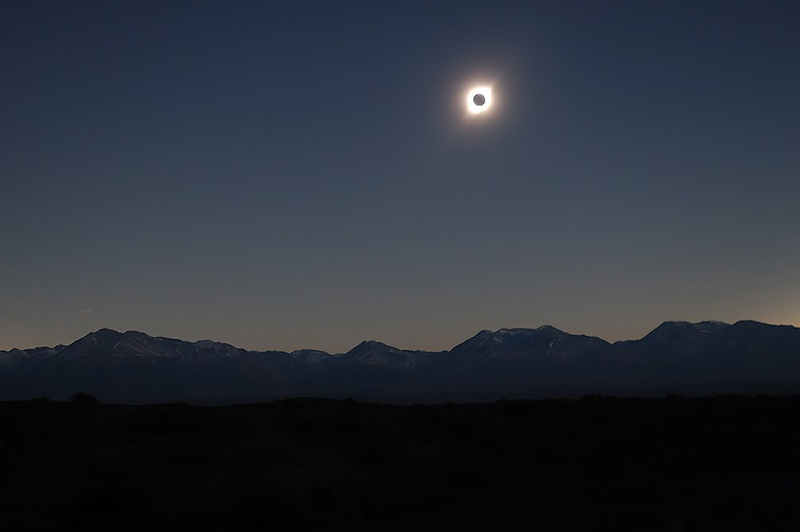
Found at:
[479, 100]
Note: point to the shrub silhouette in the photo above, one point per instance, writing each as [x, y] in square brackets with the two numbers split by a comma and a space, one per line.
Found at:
[82, 398]
[318, 465]
[43, 401]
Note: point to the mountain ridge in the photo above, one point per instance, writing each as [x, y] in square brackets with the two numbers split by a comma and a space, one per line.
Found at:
[676, 356]
[105, 330]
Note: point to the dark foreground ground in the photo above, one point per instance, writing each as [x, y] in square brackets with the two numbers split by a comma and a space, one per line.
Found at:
[726, 463]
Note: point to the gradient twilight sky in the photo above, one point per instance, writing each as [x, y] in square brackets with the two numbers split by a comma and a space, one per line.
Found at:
[285, 175]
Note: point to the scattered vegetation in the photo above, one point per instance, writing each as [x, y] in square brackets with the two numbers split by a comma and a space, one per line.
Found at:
[41, 401]
[82, 398]
[722, 463]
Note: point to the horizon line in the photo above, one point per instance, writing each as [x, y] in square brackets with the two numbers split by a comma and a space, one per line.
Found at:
[394, 347]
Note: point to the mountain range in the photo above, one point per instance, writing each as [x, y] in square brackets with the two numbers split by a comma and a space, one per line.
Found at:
[677, 357]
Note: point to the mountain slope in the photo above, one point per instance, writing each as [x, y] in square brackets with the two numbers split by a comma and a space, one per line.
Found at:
[376, 353]
[545, 349]
[692, 358]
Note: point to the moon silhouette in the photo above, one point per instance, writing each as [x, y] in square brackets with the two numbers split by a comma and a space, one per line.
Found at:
[479, 100]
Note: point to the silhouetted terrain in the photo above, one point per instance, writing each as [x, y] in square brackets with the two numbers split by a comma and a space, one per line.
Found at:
[722, 463]
[677, 357]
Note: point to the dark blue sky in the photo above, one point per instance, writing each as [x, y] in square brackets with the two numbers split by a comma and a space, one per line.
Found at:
[303, 174]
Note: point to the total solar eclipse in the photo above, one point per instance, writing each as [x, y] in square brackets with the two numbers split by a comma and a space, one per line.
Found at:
[479, 100]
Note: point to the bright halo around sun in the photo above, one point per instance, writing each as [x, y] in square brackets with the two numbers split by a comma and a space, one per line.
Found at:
[479, 100]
